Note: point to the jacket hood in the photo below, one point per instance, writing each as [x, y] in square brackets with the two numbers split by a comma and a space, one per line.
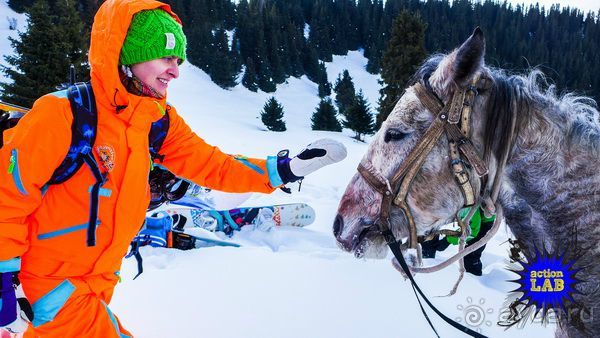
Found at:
[109, 30]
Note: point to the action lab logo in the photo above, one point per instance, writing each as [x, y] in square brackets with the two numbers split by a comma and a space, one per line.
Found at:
[547, 282]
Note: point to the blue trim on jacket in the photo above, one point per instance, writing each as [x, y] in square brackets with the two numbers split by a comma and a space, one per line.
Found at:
[249, 164]
[51, 234]
[11, 265]
[46, 308]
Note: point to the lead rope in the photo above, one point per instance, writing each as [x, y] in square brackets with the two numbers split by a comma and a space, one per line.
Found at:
[399, 257]
[465, 226]
[395, 247]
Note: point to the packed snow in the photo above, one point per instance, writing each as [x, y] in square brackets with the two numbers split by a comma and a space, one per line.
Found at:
[293, 282]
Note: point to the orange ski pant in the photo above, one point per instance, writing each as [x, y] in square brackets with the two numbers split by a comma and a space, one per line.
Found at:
[82, 316]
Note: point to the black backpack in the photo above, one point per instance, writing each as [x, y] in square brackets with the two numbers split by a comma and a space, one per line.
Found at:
[164, 185]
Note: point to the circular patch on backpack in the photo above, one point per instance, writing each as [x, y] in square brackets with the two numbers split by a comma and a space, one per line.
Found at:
[107, 157]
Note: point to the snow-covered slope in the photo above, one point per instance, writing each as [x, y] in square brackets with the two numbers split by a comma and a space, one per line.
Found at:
[290, 283]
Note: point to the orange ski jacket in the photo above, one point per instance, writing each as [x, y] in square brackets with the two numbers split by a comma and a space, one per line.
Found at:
[46, 228]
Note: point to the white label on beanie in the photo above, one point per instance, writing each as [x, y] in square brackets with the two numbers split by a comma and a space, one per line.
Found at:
[170, 41]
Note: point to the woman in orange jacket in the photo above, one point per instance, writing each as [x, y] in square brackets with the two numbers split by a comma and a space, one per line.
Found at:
[135, 51]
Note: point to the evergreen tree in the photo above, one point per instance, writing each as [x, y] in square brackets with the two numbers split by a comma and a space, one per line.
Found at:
[324, 118]
[74, 36]
[198, 52]
[320, 30]
[358, 117]
[405, 51]
[20, 6]
[276, 51]
[235, 53]
[294, 42]
[87, 9]
[249, 80]
[272, 115]
[44, 53]
[227, 14]
[374, 64]
[311, 62]
[324, 85]
[223, 70]
[344, 92]
[377, 33]
[265, 76]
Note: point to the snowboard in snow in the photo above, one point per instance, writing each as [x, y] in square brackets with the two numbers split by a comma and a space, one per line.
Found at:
[262, 218]
[203, 198]
[198, 237]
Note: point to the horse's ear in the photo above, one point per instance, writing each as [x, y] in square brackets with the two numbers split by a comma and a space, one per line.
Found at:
[469, 58]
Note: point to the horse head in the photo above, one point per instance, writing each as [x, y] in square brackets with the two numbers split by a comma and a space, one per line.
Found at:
[433, 196]
[462, 134]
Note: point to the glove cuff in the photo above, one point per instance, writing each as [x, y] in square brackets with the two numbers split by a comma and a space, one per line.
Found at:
[283, 167]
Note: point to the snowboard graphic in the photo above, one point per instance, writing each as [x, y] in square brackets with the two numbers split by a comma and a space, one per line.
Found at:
[198, 197]
[262, 218]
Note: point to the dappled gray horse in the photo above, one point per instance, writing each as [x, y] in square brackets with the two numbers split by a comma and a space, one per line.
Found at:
[541, 161]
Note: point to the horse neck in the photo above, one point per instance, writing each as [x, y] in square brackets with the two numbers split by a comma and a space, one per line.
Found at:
[554, 172]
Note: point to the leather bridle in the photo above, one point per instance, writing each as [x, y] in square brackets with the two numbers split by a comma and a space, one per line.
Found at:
[454, 120]
[461, 149]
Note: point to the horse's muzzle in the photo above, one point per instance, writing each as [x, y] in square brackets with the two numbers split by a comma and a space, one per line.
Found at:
[353, 239]
[338, 228]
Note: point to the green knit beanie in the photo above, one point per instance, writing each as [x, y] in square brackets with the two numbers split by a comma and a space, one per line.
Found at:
[152, 34]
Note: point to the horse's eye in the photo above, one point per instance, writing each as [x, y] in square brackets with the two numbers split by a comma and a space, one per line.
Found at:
[393, 135]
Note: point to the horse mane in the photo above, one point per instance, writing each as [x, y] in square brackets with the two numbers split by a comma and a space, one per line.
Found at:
[528, 97]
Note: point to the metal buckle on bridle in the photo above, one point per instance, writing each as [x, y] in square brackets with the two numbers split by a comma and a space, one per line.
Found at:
[473, 89]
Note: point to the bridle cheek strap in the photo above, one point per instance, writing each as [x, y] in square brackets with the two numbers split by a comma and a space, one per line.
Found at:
[459, 143]
[446, 120]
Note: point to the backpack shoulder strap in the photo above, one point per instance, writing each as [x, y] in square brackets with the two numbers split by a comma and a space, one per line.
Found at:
[157, 135]
[83, 131]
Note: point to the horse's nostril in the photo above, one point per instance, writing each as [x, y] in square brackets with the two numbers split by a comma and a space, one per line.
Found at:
[338, 224]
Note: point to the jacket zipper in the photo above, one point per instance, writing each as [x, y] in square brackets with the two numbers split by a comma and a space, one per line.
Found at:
[13, 169]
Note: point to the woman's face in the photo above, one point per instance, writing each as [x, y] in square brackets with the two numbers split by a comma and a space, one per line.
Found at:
[158, 72]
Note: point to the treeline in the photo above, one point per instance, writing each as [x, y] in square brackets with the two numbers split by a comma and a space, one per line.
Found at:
[275, 39]
[260, 43]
